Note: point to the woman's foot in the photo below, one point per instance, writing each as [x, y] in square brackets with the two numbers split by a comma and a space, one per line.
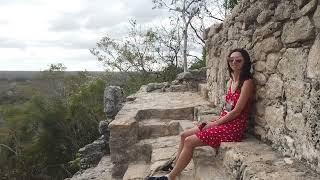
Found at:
[158, 178]
[168, 167]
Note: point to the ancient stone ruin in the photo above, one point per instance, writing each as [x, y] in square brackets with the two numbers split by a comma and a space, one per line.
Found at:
[284, 42]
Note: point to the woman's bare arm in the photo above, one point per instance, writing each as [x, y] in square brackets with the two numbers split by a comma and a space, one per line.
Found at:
[245, 95]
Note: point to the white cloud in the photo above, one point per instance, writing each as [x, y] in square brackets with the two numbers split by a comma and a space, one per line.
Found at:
[36, 33]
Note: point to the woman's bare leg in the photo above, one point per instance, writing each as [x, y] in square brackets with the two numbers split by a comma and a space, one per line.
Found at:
[183, 136]
[185, 156]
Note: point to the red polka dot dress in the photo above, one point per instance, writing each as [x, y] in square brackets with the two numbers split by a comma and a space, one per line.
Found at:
[231, 131]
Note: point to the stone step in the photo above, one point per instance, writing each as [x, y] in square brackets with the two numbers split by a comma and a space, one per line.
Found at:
[203, 90]
[252, 159]
[137, 171]
[153, 128]
[207, 165]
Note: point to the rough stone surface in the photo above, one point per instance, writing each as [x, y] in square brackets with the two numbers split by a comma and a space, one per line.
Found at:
[101, 172]
[308, 8]
[283, 10]
[300, 31]
[293, 62]
[316, 17]
[313, 66]
[91, 154]
[272, 62]
[113, 99]
[259, 78]
[124, 130]
[283, 44]
[274, 87]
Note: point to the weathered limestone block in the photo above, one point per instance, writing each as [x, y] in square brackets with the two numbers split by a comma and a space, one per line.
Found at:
[260, 66]
[123, 134]
[283, 11]
[155, 86]
[260, 108]
[199, 74]
[260, 131]
[300, 31]
[266, 30]
[313, 65]
[295, 122]
[233, 33]
[103, 127]
[274, 117]
[113, 101]
[260, 121]
[184, 76]
[251, 14]
[316, 17]
[308, 8]
[215, 28]
[259, 78]
[177, 88]
[268, 45]
[274, 87]
[295, 91]
[261, 92]
[91, 154]
[293, 63]
[264, 16]
[272, 62]
[301, 3]
[203, 90]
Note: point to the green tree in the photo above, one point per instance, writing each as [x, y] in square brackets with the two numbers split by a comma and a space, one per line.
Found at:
[134, 53]
[45, 133]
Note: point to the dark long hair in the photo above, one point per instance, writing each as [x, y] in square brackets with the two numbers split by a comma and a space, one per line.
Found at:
[245, 73]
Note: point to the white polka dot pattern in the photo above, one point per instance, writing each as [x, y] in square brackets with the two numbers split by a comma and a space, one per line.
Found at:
[232, 131]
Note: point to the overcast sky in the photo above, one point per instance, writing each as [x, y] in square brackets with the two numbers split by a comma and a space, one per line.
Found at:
[37, 33]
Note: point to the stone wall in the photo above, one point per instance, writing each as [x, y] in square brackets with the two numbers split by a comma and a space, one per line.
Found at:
[283, 40]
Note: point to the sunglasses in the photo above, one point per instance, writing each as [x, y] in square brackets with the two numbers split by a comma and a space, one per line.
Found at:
[233, 60]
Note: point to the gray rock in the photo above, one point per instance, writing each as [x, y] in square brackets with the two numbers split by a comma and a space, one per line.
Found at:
[184, 76]
[295, 122]
[113, 101]
[283, 10]
[316, 17]
[268, 45]
[272, 62]
[266, 30]
[155, 86]
[91, 154]
[313, 65]
[103, 127]
[260, 78]
[264, 16]
[301, 3]
[300, 31]
[308, 8]
[274, 87]
[215, 28]
[293, 63]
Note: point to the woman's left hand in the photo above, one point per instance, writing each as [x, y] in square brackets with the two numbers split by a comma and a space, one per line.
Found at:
[210, 125]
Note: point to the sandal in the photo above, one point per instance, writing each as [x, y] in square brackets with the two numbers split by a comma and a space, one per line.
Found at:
[168, 167]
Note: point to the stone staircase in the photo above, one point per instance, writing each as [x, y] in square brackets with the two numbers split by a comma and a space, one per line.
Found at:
[250, 159]
[145, 137]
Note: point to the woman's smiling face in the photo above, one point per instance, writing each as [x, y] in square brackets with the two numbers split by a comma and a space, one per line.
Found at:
[236, 61]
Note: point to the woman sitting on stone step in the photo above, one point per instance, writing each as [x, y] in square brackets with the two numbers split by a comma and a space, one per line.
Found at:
[230, 125]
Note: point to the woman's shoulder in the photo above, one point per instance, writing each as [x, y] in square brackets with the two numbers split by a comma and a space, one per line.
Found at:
[248, 83]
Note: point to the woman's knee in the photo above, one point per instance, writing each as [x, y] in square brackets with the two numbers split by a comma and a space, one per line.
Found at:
[188, 133]
[190, 142]
[183, 135]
